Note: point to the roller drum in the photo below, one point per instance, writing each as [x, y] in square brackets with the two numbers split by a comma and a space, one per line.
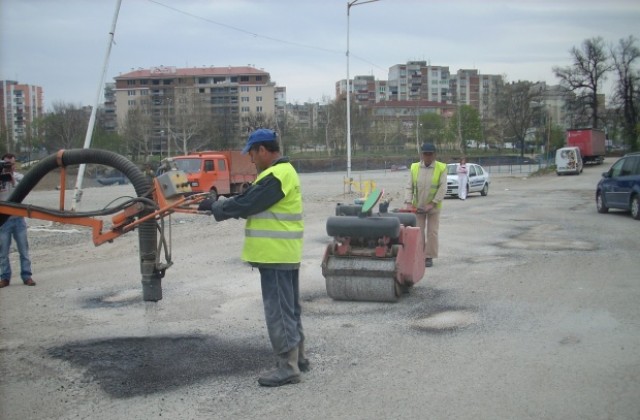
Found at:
[361, 279]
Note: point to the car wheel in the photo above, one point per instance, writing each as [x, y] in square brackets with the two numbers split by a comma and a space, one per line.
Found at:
[635, 207]
[600, 205]
[485, 190]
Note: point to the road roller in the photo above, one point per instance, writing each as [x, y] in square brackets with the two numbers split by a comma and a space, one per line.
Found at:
[372, 257]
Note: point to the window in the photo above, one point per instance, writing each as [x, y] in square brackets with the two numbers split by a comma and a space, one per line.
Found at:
[244, 99]
[244, 78]
[258, 109]
[221, 165]
[131, 102]
[472, 171]
[131, 82]
[616, 169]
[629, 167]
[131, 93]
[258, 98]
[245, 109]
[244, 88]
[208, 165]
[258, 78]
[258, 88]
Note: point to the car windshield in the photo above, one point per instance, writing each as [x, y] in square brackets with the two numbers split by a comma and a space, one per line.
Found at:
[452, 169]
[189, 166]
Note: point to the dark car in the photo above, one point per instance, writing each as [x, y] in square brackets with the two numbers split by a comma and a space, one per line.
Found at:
[112, 177]
[619, 187]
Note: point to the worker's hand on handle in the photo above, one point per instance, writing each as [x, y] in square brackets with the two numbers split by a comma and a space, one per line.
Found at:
[205, 205]
[424, 210]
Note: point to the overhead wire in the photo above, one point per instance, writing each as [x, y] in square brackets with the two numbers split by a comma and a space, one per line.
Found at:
[257, 35]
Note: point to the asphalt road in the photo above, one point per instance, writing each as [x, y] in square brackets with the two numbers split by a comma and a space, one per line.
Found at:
[530, 312]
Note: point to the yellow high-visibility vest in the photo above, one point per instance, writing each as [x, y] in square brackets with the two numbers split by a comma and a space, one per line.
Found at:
[275, 235]
[439, 168]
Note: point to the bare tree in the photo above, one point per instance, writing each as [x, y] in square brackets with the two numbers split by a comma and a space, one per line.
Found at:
[584, 77]
[187, 128]
[627, 91]
[66, 126]
[516, 108]
[136, 132]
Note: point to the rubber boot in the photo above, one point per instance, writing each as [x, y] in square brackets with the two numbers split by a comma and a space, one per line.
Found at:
[287, 371]
[303, 363]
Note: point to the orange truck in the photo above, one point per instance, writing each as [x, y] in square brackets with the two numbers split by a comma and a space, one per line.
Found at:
[223, 173]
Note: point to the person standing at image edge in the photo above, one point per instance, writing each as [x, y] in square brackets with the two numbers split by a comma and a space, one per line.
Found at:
[463, 177]
[16, 227]
[274, 229]
[425, 192]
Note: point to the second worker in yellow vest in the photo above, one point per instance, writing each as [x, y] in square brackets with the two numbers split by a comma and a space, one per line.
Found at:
[425, 192]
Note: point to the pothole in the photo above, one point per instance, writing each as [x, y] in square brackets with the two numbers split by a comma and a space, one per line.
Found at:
[445, 321]
[120, 298]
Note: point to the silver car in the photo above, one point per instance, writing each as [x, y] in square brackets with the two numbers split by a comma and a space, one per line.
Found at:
[478, 180]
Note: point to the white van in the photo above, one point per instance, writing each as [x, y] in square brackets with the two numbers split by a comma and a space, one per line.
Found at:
[568, 161]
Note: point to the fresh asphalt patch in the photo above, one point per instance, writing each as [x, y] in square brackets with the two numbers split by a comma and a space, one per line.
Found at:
[125, 367]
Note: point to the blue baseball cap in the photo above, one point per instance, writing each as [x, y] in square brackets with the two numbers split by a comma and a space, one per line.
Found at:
[259, 136]
[428, 148]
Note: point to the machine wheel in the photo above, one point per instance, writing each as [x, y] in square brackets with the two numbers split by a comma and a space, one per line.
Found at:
[635, 207]
[600, 205]
[485, 190]
[213, 195]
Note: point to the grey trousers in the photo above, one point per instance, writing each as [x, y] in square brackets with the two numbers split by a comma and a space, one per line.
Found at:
[281, 300]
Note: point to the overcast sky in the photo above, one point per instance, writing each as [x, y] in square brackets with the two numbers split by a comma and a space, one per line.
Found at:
[61, 44]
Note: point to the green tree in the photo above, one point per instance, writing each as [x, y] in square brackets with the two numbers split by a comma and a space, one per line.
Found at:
[465, 125]
[432, 128]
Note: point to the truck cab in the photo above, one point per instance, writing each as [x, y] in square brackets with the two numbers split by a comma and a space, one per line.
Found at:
[219, 173]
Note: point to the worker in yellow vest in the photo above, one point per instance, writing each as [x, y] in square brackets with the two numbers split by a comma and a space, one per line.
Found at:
[425, 192]
[272, 207]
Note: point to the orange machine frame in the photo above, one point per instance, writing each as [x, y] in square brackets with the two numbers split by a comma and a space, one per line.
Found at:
[122, 222]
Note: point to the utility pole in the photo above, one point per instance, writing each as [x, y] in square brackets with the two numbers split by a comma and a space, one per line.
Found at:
[349, 5]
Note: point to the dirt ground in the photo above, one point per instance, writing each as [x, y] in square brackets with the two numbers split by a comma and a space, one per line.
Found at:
[530, 312]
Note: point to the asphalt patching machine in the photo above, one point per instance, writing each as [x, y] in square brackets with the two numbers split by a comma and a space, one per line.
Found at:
[372, 257]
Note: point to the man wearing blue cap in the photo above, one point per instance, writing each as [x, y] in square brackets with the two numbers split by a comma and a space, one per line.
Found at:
[272, 207]
[425, 193]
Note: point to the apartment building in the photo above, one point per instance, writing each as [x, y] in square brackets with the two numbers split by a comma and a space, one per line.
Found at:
[21, 105]
[418, 81]
[220, 93]
[365, 90]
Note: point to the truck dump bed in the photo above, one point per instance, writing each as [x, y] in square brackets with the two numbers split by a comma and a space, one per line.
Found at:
[239, 164]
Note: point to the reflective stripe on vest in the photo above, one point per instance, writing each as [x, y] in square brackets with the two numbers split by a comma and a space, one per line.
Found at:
[438, 169]
[275, 235]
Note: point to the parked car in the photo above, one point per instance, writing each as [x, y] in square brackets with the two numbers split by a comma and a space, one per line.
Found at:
[478, 180]
[112, 177]
[619, 187]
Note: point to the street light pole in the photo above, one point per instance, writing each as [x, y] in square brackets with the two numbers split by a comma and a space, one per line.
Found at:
[349, 4]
